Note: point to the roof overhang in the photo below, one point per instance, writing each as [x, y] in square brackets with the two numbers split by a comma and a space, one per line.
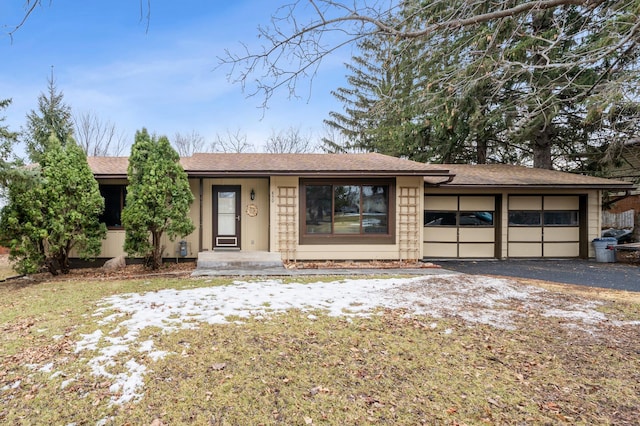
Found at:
[612, 187]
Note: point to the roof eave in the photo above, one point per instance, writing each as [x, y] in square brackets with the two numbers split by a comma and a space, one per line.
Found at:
[545, 186]
[110, 176]
[307, 173]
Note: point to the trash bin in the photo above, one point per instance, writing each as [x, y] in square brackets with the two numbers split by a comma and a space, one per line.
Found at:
[605, 249]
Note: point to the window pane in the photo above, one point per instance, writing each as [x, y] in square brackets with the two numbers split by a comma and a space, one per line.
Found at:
[227, 213]
[375, 205]
[318, 209]
[346, 213]
[524, 217]
[476, 218]
[561, 218]
[439, 218]
[113, 202]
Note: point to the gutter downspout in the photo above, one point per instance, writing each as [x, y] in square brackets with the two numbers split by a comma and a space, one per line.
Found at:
[444, 182]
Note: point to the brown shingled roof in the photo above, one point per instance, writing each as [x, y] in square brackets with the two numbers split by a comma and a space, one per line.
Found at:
[503, 175]
[281, 164]
[109, 167]
[306, 165]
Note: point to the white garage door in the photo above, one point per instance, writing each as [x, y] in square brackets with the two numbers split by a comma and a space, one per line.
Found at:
[544, 226]
[460, 226]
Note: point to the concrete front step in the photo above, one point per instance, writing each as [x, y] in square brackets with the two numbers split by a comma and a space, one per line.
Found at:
[234, 262]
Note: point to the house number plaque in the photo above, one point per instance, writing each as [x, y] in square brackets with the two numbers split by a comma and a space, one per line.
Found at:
[252, 210]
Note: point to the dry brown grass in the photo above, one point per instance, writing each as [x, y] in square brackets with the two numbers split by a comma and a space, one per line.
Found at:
[289, 369]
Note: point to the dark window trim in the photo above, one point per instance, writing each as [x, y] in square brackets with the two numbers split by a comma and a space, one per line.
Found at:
[123, 197]
[328, 239]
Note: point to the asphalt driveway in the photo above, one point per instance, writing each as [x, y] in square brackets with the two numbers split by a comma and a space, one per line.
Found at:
[619, 276]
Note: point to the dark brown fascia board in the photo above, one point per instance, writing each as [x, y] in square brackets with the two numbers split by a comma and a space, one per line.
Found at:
[265, 174]
[343, 173]
[560, 186]
[111, 176]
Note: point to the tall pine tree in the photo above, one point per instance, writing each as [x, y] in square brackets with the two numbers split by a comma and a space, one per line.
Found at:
[158, 198]
[524, 89]
[53, 118]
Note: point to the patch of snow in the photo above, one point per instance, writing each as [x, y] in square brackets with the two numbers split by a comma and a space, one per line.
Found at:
[89, 341]
[475, 299]
[128, 384]
[47, 368]
[147, 346]
[66, 383]
[586, 316]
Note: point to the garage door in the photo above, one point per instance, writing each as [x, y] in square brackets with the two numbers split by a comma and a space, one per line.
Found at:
[544, 226]
[460, 226]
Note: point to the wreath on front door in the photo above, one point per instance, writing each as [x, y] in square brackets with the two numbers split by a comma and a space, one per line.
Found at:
[252, 210]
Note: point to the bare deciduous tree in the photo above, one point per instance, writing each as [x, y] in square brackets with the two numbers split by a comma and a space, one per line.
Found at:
[98, 138]
[189, 144]
[232, 142]
[31, 5]
[302, 33]
[290, 141]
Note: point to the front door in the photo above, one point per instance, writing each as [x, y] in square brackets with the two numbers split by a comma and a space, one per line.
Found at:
[226, 217]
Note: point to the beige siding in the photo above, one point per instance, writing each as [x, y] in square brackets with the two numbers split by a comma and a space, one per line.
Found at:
[113, 245]
[172, 248]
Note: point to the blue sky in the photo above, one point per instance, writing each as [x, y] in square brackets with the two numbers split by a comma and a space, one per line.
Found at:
[165, 79]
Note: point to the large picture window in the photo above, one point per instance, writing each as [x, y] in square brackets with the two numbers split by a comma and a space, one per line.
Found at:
[347, 211]
[114, 197]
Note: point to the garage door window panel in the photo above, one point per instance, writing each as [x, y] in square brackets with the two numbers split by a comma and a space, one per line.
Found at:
[476, 219]
[525, 218]
[444, 218]
[561, 218]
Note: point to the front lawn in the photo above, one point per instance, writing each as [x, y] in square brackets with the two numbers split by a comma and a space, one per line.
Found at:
[434, 350]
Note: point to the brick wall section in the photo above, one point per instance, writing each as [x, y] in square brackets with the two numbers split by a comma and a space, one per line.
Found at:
[629, 203]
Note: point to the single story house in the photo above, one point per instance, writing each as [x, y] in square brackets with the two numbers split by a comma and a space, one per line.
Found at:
[371, 207]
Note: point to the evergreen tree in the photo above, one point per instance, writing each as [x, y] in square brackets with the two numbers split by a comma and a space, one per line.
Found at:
[379, 114]
[158, 198]
[52, 118]
[8, 170]
[526, 88]
[48, 217]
